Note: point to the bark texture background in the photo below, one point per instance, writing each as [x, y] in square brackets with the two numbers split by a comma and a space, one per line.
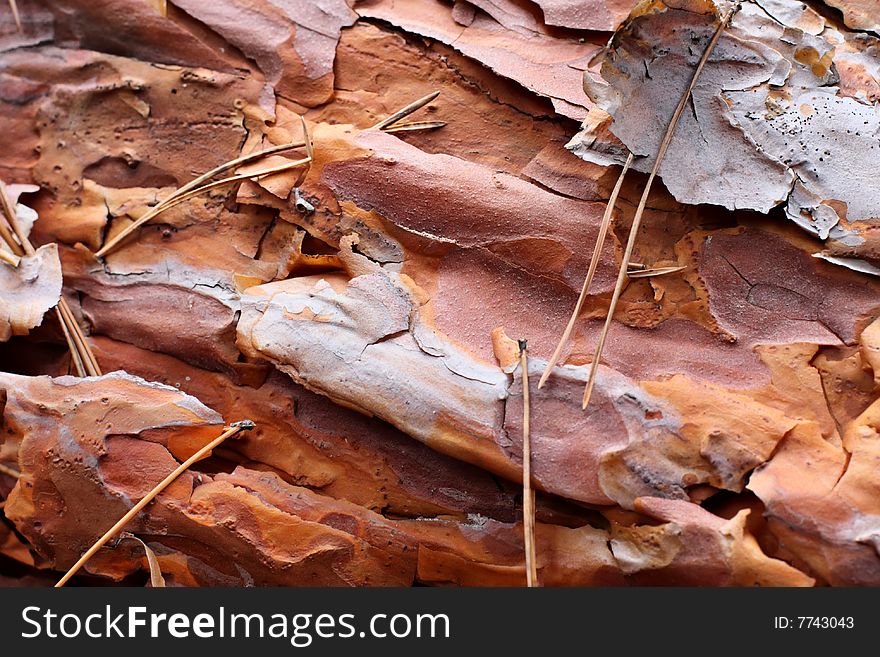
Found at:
[364, 314]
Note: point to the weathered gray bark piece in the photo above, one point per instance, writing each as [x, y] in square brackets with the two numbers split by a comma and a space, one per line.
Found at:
[770, 122]
[29, 291]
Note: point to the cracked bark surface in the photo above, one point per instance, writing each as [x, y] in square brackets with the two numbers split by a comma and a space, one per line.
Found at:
[370, 332]
[774, 119]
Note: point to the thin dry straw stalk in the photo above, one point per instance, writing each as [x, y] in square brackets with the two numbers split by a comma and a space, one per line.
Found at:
[15, 474]
[664, 146]
[591, 272]
[84, 360]
[528, 492]
[232, 430]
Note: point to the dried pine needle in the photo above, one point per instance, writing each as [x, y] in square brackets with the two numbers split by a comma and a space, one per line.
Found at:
[12, 220]
[156, 579]
[10, 225]
[310, 149]
[239, 177]
[71, 345]
[405, 111]
[232, 430]
[89, 361]
[13, 5]
[6, 233]
[196, 186]
[232, 164]
[9, 258]
[528, 492]
[654, 271]
[84, 360]
[591, 272]
[192, 185]
[416, 125]
[661, 152]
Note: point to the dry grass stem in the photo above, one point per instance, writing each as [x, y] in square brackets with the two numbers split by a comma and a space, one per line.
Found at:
[591, 272]
[528, 492]
[661, 152]
[9, 472]
[405, 111]
[232, 430]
